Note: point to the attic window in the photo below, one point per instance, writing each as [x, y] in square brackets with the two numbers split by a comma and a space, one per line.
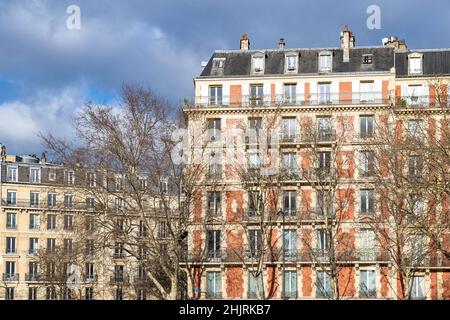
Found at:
[291, 63]
[367, 59]
[258, 63]
[218, 63]
[325, 61]
[415, 63]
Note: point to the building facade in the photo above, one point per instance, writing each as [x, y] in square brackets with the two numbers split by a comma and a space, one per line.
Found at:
[281, 235]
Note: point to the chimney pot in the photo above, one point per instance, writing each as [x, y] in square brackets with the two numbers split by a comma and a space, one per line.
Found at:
[245, 42]
[347, 42]
[281, 44]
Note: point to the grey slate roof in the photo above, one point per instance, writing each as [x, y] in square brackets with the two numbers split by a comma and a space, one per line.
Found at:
[238, 63]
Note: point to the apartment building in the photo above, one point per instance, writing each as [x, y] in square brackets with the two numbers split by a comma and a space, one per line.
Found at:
[328, 100]
[52, 233]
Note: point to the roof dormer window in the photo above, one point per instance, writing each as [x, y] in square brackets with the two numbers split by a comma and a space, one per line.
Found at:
[415, 64]
[218, 63]
[258, 63]
[291, 62]
[325, 61]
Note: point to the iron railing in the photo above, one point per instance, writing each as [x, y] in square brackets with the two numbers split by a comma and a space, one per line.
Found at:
[10, 277]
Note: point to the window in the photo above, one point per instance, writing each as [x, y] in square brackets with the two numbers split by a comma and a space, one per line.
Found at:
[215, 95]
[51, 245]
[255, 123]
[255, 204]
[51, 199]
[290, 244]
[10, 274]
[141, 294]
[291, 63]
[35, 175]
[324, 128]
[290, 93]
[367, 163]
[119, 294]
[324, 204]
[324, 91]
[416, 204]
[289, 164]
[34, 246]
[89, 223]
[256, 95]
[89, 294]
[258, 64]
[32, 293]
[416, 130]
[142, 229]
[367, 288]
[213, 237]
[11, 197]
[290, 203]
[68, 222]
[90, 203]
[69, 178]
[289, 126]
[213, 285]
[11, 175]
[367, 245]
[366, 203]
[118, 250]
[254, 160]
[214, 207]
[365, 127]
[415, 64]
[11, 220]
[325, 62]
[11, 245]
[322, 242]
[118, 182]
[255, 286]
[417, 248]
[218, 63]
[89, 274]
[367, 59]
[417, 287]
[323, 284]
[415, 95]
[51, 270]
[34, 221]
[68, 246]
[143, 183]
[34, 199]
[50, 293]
[9, 294]
[52, 175]
[324, 162]
[163, 229]
[290, 284]
[415, 166]
[68, 200]
[214, 129]
[255, 242]
[366, 91]
[51, 221]
[215, 166]
[92, 179]
[32, 271]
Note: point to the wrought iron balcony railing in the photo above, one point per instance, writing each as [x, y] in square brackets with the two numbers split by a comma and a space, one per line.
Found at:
[10, 277]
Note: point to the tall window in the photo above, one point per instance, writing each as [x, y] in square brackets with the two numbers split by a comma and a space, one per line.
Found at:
[69, 178]
[417, 287]
[322, 242]
[51, 245]
[367, 163]
[213, 237]
[365, 127]
[290, 203]
[34, 199]
[35, 175]
[255, 286]
[213, 285]
[416, 130]
[9, 293]
[34, 221]
[325, 62]
[50, 293]
[11, 174]
[415, 166]
[51, 199]
[68, 200]
[290, 243]
[214, 207]
[367, 287]
[255, 203]
[415, 95]
[89, 293]
[291, 63]
[32, 271]
[256, 95]
[214, 129]
[367, 245]
[290, 93]
[68, 246]
[10, 274]
[11, 197]
[289, 164]
[324, 128]
[34, 246]
[33, 293]
[324, 90]
[90, 248]
[254, 160]
[163, 229]
[51, 221]
[258, 64]
[415, 65]
[119, 294]
[89, 271]
[289, 126]
[324, 204]
[290, 284]
[11, 220]
[92, 179]
[324, 162]
[323, 284]
[366, 91]
[367, 201]
[215, 95]
[11, 245]
[255, 242]
[416, 204]
[68, 222]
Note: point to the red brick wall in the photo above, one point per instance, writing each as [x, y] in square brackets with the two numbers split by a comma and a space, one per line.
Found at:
[399, 130]
[307, 92]
[235, 282]
[349, 163]
[198, 206]
[345, 202]
[433, 286]
[231, 197]
[197, 242]
[235, 95]
[272, 93]
[197, 277]
[306, 203]
[307, 281]
[345, 129]
[272, 282]
[345, 92]
[384, 290]
[398, 93]
[346, 243]
[446, 285]
[235, 242]
[346, 282]
[385, 90]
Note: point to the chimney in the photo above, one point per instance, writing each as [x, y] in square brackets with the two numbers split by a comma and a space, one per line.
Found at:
[281, 44]
[245, 42]
[2, 152]
[396, 43]
[347, 42]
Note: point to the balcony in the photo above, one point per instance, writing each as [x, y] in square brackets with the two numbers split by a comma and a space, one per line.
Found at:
[119, 279]
[10, 277]
[422, 101]
[32, 277]
[90, 278]
[140, 279]
[264, 101]
[26, 204]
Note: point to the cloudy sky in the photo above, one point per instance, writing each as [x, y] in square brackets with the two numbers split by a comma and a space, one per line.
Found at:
[47, 72]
